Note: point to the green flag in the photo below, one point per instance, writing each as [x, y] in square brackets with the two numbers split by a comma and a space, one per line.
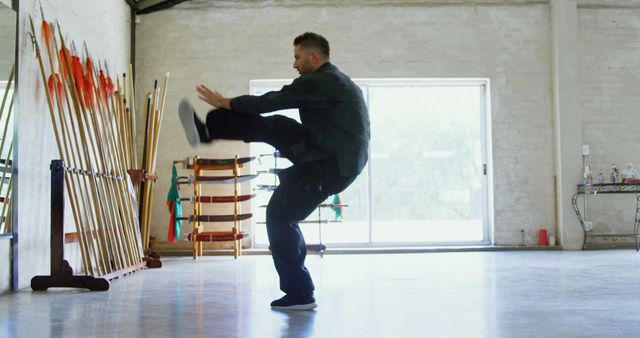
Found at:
[175, 207]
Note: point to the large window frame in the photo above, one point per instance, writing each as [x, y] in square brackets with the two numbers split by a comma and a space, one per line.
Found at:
[258, 87]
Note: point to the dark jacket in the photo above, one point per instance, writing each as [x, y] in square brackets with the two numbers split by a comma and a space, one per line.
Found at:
[332, 111]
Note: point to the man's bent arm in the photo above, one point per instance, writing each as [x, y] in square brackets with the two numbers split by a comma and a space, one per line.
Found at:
[301, 91]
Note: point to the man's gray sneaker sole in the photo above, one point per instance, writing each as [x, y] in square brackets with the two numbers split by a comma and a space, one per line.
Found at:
[186, 112]
[299, 307]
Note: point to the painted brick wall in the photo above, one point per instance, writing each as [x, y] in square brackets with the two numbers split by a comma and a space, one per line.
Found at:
[227, 45]
[105, 27]
[7, 41]
[610, 78]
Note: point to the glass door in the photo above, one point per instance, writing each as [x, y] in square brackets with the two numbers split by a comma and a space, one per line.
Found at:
[428, 163]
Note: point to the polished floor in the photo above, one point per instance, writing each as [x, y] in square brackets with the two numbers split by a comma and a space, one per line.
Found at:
[465, 294]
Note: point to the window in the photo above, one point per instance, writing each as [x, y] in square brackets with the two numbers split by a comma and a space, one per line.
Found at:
[426, 180]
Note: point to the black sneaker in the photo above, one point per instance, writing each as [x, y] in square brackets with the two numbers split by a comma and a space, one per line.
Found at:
[287, 302]
[187, 118]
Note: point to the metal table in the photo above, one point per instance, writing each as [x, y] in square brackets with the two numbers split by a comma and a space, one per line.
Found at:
[608, 188]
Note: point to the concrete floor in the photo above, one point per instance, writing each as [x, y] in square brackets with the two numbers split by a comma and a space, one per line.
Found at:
[466, 294]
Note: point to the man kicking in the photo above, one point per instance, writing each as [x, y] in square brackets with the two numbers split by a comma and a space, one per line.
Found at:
[328, 150]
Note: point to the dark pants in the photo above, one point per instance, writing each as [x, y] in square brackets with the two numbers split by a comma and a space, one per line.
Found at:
[302, 188]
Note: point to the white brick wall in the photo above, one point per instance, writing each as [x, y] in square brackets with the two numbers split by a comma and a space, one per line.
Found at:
[7, 40]
[230, 44]
[227, 44]
[610, 78]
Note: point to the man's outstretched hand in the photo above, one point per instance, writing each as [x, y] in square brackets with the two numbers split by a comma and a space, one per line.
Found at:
[213, 97]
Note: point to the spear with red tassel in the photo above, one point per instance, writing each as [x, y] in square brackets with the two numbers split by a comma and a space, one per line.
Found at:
[63, 154]
[111, 151]
[98, 249]
[100, 148]
[107, 217]
[111, 160]
[82, 158]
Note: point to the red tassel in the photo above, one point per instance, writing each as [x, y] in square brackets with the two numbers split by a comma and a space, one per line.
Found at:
[102, 86]
[89, 96]
[58, 83]
[110, 87]
[65, 56]
[50, 85]
[47, 35]
[60, 87]
[171, 235]
[78, 76]
[88, 65]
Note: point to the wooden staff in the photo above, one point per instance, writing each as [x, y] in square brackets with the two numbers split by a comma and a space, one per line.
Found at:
[132, 114]
[145, 152]
[118, 195]
[135, 230]
[127, 123]
[145, 208]
[147, 108]
[113, 151]
[197, 246]
[132, 234]
[236, 223]
[109, 186]
[124, 129]
[114, 188]
[154, 156]
[101, 152]
[132, 231]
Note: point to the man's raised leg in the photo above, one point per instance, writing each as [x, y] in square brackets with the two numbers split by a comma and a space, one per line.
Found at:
[279, 131]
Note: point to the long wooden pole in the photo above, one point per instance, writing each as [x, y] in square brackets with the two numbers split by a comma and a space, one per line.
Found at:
[124, 192]
[144, 157]
[145, 208]
[132, 114]
[154, 156]
[97, 145]
[119, 161]
[113, 158]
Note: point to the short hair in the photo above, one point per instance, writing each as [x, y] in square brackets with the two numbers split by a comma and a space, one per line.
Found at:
[313, 40]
